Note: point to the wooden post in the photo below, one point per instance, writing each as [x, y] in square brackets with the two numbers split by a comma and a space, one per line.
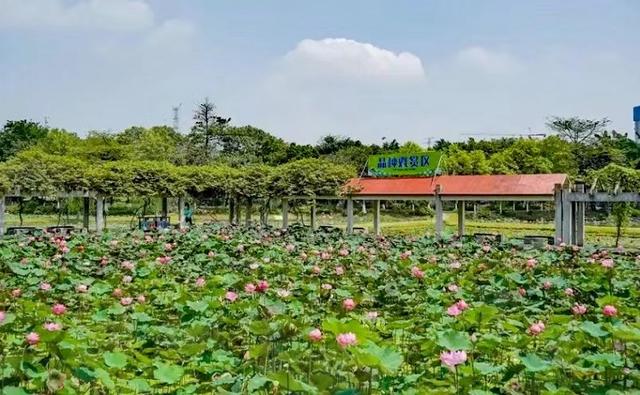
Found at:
[439, 211]
[567, 218]
[579, 218]
[557, 191]
[314, 220]
[236, 212]
[461, 210]
[376, 217]
[285, 213]
[181, 219]
[99, 214]
[350, 215]
[86, 207]
[247, 217]
[2, 206]
[165, 206]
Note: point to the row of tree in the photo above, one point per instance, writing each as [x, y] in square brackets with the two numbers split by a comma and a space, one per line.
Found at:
[576, 147]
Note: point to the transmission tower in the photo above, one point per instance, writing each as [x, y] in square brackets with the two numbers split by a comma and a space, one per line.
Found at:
[176, 117]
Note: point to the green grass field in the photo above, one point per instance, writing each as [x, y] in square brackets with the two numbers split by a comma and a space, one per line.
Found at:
[414, 226]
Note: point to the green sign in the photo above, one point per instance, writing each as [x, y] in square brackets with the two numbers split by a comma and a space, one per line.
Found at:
[421, 164]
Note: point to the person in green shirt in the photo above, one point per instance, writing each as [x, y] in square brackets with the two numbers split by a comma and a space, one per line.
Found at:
[188, 215]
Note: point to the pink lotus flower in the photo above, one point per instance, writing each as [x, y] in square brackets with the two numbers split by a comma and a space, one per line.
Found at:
[249, 288]
[579, 309]
[263, 285]
[240, 248]
[64, 250]
[117, 292]
[607, 263]
[58, 309]
[254, 266]
[32, 338]
[416, 272]
[454, 310]
[82, 288]
[168, 247]
[211, 254]
[372, 315]
[486, 248]
[52, 326]
[462, 305]
[104, 261]
[453, 358]
[45, 287]
[609, 311]
[163, 260]
[127, 279]
[536, 328]
[349, 304]
[3, 315]
[405, 255]
[16, 293]
[141, 299]
[200, 282]
[569, 292]
[327, 287]
[290, 247]
[547, 285]
[231, 296]
[339, 270]
[531, 263]
[315, 335]
[343, 252]
[325, 256]
[453, 288]
[303, 256]
[455, 265]
[316, 269]
[361, 249]
[522, 292]
[283, 293]
[128, 265]
[346, 339]
[126, 301]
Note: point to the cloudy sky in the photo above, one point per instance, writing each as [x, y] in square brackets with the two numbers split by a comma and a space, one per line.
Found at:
[410, 70]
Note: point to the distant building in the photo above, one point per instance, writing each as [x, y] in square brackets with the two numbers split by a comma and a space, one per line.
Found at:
[636, 122]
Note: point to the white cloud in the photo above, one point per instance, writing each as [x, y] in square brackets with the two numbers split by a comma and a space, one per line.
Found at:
[488, 61]
[112, 15]
[344, 58]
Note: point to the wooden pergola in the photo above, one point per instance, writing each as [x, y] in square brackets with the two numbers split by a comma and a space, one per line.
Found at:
[569, 201]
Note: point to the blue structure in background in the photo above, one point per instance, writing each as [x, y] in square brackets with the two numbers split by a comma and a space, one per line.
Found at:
[636, 122]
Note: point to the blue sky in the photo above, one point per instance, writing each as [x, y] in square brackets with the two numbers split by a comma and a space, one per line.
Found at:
[410, 70]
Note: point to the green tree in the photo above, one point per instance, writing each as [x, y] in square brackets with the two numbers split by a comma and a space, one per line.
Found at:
[16, 136]
[577, 130]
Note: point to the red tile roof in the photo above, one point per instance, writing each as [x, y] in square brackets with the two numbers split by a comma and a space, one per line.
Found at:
[482, 185]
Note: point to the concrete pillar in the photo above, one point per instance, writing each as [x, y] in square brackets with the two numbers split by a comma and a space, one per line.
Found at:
[349, 215]
[232, 209]
[247, 217]
[558, 213]
[439, 211]
[376, 217]
[165, 206]
[99, 214]
[86, 207]
[285, 213]
[579, 218]
[2, 207]
[181, 219]
[461, 211]
[567, 217]
[314, 220]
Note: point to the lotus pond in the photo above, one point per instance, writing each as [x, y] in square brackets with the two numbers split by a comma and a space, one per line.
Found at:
[235, 311]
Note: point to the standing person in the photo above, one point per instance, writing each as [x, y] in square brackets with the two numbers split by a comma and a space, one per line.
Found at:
[188, 215]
